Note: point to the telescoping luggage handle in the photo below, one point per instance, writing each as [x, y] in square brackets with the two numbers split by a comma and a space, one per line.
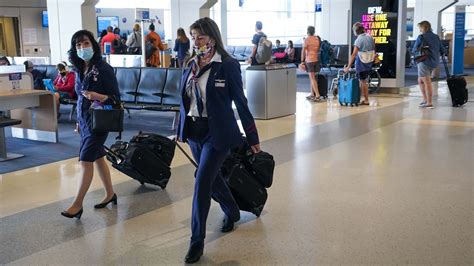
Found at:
[443, 58]
[348, 75]
[185, 153]
[117, 159]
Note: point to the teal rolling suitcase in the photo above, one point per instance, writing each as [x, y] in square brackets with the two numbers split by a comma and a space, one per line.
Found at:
[349, 91]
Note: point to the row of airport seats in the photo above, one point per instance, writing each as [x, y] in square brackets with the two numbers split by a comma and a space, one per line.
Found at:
[241, 53]
[341, 53]
[141, 88]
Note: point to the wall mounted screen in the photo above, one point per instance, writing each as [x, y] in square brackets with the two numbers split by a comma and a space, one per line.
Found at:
[105, 21]
[380, 20]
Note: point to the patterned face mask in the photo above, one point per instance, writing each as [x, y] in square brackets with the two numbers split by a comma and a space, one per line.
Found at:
[203, 50]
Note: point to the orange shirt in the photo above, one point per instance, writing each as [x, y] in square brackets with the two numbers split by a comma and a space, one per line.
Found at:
[311, 45]
[154, 60]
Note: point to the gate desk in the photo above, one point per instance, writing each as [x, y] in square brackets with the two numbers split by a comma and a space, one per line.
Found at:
[37, 111]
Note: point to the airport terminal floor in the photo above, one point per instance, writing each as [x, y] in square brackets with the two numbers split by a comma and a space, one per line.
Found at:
[385, 184]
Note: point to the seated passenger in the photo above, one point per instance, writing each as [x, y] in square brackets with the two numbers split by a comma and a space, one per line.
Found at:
[278, 52]
[4, 61]
[64, 84]
[37, 76]
[290, 51]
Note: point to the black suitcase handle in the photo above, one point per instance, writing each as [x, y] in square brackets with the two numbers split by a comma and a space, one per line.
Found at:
[443, 58]
[185, 153]
[113, 155]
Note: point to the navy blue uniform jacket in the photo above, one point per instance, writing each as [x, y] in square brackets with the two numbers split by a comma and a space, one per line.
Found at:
[223, 86]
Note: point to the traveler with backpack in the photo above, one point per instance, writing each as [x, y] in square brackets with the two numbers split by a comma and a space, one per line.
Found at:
[364, 56]
[310, 63]
[325, 52]
[262, 47]
[134, 41]
[153, 46]
[427, 50]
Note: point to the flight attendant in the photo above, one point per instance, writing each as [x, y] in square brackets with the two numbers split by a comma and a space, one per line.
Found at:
[95, 84]
[207, 123]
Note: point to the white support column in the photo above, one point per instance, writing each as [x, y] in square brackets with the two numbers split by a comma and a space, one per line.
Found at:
[334, 20]
[65, 18]
[401, 43]
[184, 13]
[89, 17]
[204, 10]
[224, 21]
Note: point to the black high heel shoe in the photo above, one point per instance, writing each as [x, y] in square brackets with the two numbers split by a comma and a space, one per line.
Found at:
[76, 215]
[102, 205]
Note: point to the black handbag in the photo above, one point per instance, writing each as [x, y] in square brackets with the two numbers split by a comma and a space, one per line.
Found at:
[134, 50]
[106, 120]
[262, 166]
[423, 52]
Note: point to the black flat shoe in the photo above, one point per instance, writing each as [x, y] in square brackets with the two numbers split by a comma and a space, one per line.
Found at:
[194, 253]
[76, 215]
[228, 225]
[104, 204]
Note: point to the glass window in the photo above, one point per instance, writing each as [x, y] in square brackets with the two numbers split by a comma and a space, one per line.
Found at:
[447, 21]
[282, 19]
[158, 4]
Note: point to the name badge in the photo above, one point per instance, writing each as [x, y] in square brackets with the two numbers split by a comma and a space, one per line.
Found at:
[220, 83]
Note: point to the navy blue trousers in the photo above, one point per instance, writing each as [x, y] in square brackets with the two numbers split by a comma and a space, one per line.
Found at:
[209, 181]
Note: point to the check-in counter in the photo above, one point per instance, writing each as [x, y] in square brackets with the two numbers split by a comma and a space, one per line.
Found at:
[125, 60]
[35, 108]
[271, 90]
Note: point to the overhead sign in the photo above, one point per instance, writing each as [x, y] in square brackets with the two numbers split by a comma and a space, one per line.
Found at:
[142, 13]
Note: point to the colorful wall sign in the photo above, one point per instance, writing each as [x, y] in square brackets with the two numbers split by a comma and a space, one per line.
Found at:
[379, 18]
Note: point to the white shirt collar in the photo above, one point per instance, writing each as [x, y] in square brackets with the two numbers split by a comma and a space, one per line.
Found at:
[216, 58]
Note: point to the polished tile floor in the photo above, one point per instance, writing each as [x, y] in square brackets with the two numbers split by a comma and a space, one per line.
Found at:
[384, 184]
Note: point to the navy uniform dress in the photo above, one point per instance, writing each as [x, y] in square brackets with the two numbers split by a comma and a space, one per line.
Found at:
[100, 78]
[210, 137]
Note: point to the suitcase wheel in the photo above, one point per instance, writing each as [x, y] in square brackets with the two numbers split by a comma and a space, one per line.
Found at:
[340, 103]
[257, 211]
[357, 104]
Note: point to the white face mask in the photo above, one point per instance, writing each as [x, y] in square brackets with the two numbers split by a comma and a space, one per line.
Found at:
[85, 54]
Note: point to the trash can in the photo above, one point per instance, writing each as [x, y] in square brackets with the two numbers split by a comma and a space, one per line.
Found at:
[271, 90]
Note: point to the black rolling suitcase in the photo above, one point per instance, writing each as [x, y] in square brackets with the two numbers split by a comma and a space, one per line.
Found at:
[457, 87]
[146, 158]
[322, 81]
[248, 190]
